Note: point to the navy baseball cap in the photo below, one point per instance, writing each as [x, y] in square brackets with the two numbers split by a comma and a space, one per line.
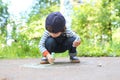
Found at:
[55, 22]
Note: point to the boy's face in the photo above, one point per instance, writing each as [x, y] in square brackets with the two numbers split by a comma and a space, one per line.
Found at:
[54, 35]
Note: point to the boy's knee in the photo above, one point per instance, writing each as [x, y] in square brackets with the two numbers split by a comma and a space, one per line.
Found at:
[50, 41]
[71, 40]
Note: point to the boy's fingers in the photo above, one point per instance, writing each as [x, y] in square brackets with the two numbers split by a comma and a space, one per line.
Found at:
[76, 43]
[50, 59]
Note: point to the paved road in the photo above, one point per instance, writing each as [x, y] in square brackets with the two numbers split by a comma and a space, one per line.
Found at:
[90, 68]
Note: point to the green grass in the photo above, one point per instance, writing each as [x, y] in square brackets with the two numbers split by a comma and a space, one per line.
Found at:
[85, 49]
[89, 48]
[112, 50]
[23, 49]
[19, 51]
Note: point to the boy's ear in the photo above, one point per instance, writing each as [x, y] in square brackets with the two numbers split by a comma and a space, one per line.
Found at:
[49, 28]
[64, 29]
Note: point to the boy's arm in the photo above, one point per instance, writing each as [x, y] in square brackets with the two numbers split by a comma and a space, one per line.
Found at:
[42, 48]
[71, 33]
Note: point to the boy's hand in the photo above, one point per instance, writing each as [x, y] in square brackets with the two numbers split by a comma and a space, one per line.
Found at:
[50, 59]
[76, 43]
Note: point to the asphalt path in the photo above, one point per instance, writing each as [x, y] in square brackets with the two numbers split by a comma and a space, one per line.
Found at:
[90, 68]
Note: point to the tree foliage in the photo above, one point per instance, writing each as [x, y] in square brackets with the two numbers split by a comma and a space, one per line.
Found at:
[96, 22]
[3, 16]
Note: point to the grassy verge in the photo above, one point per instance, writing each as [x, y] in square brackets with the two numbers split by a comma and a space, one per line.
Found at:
[87, 48]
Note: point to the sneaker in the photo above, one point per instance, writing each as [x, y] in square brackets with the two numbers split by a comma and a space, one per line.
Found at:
[44, 60]
[74, 59]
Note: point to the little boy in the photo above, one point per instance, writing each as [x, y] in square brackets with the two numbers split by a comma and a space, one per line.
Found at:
[57, 38]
